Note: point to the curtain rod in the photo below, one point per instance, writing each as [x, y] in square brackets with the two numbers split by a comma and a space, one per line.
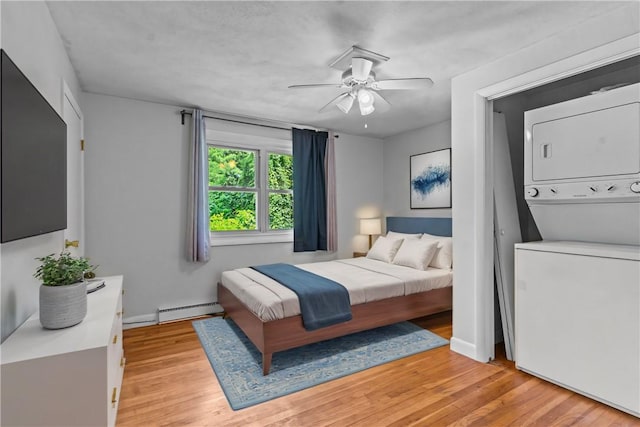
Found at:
[189, 113]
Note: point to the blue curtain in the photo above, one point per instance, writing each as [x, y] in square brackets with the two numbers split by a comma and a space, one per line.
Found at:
[309, 190]
[198, 210]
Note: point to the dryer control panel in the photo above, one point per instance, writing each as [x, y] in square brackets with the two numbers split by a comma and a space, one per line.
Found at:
[604, 190]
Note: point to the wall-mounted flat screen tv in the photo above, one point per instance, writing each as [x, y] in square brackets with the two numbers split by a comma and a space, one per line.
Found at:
[33, 148]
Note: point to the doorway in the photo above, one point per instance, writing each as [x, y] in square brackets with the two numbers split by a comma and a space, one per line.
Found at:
[74, 233]
[512, 107]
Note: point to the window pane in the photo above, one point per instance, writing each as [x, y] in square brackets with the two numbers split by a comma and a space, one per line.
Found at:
[232, 210]
[280, 171]
[232, 168]
[280, 211]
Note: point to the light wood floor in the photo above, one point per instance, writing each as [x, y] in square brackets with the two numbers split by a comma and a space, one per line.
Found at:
[168, 382]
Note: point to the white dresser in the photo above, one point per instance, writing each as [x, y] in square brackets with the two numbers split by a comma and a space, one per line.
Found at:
[71, 376]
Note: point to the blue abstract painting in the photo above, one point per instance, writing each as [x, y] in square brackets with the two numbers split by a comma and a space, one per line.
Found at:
[430, 180]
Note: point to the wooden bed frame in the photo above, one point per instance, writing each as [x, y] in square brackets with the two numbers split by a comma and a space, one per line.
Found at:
[278, 335]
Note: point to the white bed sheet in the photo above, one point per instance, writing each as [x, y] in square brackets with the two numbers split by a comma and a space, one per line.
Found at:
[365, 279]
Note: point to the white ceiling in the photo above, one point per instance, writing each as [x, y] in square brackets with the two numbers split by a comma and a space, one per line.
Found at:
[239, 57]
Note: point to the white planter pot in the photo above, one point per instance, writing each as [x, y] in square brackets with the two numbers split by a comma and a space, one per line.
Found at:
[63, 306]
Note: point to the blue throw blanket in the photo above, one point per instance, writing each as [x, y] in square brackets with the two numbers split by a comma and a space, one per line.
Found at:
[323, 302]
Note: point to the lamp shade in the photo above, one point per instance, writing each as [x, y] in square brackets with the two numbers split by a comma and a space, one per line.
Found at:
[365, 102]
[370, 226]
[367, 110]
[346, 103]
[365, 98]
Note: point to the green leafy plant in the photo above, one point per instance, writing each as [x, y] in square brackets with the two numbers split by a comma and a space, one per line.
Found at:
[62, 270]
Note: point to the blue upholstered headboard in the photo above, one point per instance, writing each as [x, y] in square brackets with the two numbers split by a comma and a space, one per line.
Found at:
[435, 226]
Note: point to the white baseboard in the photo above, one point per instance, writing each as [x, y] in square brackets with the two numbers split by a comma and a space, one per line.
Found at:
[139, 321]
[464, 348]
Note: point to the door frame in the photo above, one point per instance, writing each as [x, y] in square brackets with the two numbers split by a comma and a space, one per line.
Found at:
[473, 325]
[68, 95]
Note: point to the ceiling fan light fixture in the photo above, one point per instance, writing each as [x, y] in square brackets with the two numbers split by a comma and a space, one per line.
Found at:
[346, 103]
[365, 99]
[359, 82]
[366, 110]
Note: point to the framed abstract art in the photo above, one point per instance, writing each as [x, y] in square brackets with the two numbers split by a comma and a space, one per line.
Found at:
[430, 180]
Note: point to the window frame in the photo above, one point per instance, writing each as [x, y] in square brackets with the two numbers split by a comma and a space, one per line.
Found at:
[262, 147]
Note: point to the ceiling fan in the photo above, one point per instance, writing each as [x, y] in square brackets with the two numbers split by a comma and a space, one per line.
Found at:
[360, 83]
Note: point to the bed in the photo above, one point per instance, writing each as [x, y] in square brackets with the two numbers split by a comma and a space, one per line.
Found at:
[381, 293]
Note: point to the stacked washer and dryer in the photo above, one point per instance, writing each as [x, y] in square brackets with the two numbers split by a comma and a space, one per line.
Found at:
[577, 292]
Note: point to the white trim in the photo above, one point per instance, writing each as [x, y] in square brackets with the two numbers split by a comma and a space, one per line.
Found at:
[486, 331]
[140, 321]
[66, 92]
[220, 239]
[580, 63]
[250, 142]
[68, 95]
[463, 347]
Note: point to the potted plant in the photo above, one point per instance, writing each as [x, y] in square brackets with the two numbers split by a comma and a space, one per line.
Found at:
[63, 293]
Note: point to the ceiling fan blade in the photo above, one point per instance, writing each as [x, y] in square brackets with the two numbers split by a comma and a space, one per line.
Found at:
[314, 86]
[381, 104]
[401, 84]
[360, 68]
[333, 102]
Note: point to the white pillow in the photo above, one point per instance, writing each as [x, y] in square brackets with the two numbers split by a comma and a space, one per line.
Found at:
[416, 253]
[394, 235]
[444, 255]
[384, 249]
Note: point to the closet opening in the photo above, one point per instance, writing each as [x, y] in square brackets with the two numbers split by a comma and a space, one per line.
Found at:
[513, 222]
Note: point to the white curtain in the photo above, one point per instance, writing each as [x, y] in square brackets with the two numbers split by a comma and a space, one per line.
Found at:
[330, 171]
[198, 210]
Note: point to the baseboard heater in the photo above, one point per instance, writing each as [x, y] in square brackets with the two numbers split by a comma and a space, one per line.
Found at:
[170, 314]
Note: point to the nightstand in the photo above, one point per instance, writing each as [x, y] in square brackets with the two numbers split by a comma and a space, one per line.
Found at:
[359, 254]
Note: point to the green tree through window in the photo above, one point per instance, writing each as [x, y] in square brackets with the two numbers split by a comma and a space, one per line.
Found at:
[234, 190]
[280, 191]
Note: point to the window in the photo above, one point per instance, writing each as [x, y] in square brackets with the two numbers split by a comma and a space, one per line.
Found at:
[250, 194]
[280, 191]
[233, 193]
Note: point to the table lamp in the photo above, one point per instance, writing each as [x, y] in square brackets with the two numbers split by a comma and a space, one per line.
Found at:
[370, 226]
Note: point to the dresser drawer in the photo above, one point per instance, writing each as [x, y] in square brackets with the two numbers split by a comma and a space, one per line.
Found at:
[116, 362]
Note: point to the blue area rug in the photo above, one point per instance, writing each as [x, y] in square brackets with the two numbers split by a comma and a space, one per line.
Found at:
[238, 363]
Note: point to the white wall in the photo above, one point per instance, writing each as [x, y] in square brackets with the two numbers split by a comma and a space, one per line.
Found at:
[397, 150]
[566, 53]
[136, 163]
[359, 180]
[31, 40]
